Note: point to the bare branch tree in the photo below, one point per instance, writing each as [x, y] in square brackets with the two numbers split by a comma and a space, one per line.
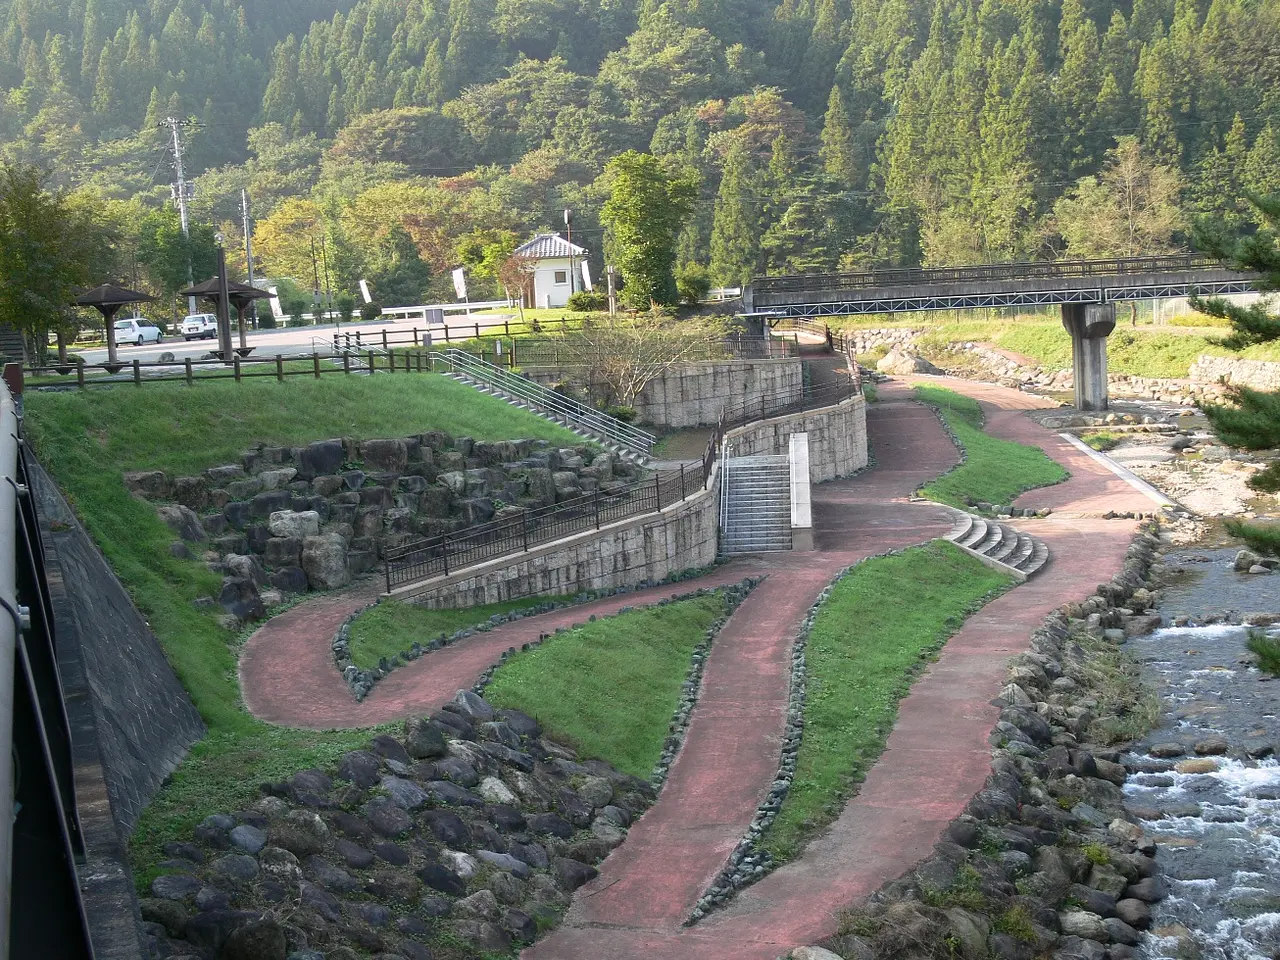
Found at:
[516, 276]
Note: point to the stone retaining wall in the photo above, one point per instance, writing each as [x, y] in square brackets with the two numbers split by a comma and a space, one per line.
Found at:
[653, 547]
[694, 394]
[1259, 374]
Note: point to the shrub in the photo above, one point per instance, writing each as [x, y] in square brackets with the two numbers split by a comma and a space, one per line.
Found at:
[1260, 537]
[693, 283]
[1017, 923]
[625, 414]
[370, 311]
[1096, 854]
[585, 301]
[295, 307]
[1268, 480]
[1266, 649]
[346, 305]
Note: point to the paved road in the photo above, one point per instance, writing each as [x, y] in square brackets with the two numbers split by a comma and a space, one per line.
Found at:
[294, 341]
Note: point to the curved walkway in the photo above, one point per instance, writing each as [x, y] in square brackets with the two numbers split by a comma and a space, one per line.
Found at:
[937, 756]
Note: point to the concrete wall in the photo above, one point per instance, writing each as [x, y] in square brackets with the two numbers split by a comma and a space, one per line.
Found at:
[1259, 374]
[141, 716]
[652, 547]
[693, 394]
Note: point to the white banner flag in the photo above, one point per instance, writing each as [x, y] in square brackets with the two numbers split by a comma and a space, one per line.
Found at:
[586, 276]
[276, 310]
[460, 283]
[364, 291]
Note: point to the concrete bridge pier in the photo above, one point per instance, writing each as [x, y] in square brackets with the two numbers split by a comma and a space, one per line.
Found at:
[1089, 325]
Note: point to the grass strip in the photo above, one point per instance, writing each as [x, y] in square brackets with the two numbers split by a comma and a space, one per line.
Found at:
[864, 650]
[1261, 538]
[994, 471]
[390, 627]
[1103, 440]
[88, 439]
[610, 687]
[1266, 649]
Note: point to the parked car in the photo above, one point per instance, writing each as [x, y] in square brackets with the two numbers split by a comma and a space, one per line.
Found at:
[137, 331]
[200, 326]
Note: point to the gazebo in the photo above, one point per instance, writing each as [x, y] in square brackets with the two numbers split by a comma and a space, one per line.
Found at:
[239, 295]
[108, 298]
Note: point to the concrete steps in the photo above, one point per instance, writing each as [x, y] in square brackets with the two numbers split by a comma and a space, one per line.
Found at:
[756, 501]
[999, 542]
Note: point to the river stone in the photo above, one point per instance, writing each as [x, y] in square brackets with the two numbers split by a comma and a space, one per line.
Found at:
[1167, 750]
[495, 791]
[280, 864]
[360, 767]
[439, 877]
[1079, 923]
[175, 886]
[505, 862]
[1077, 948]
[405, 793]
[463, 864]
[1121, 932]
[596, 791]
[296, 526]
[333, 878]
[422, 741]
[1148, 890]
[482, 905]
[1197, 766]
[387, 817]
[249, 839]
[572, 874]
[483, 935]
[1135, 913]
[301, 832]
[1125, 830]
[353, 854]
[1212, 747]
[448, 828]
[324, 559]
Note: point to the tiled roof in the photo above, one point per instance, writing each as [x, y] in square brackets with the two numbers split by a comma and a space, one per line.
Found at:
[547, 246]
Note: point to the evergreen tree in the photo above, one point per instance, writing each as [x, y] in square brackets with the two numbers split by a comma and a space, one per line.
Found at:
[839, 150]
[735, 231]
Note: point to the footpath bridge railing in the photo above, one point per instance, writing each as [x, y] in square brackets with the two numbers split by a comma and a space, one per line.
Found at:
[428, 558]
[1010, 272]
[42, 913]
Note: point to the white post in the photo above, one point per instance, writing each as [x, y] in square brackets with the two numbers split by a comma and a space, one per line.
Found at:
[801, 495]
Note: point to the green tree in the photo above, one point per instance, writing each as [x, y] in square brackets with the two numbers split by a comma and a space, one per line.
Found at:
[839, 148]
[735, 229]
[1256, 252]
[48, 248]
[644, 213]
[166, 255]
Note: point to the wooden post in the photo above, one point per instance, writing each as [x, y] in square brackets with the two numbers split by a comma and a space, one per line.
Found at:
[372, 363]
[657, 488]
[597, 506]
[315, 364]
[137, 373]
[477, 329]
[415, 336]
[186, 362]
[280, 368]
[506, 326]
[235, 368]
[384, 340]
[446, 332]
[80, 373]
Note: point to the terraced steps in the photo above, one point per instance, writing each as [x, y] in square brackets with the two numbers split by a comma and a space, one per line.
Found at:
[999, 542]
[756, 505]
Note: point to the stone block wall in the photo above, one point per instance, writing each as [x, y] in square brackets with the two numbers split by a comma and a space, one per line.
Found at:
[650, 548]
[694, 394]
[1259, 374]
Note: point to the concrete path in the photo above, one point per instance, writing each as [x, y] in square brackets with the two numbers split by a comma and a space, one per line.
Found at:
[937, 756]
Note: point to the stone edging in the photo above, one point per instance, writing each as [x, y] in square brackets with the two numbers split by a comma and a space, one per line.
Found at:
[734, 594]
[361, 682]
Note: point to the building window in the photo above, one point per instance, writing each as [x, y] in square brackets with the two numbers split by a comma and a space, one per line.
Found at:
[562, 277]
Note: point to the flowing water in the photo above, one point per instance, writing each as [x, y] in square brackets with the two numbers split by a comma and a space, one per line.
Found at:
[1216, 818]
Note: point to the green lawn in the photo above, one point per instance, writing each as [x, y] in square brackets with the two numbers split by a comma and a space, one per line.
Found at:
[88, 439]
[995, 471]
[611, 687]
[390, 627]
[863, 654]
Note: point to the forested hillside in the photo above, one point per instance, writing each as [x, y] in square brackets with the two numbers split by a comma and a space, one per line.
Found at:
[415, 135]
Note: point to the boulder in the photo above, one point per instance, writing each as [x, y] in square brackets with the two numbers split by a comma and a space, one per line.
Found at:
[247, 568]
[191, 492]
[290, 580]
[240, 598]
[324, 559]
[152, 484]
[275, 479]
[320, 458]
[283, 552]
[182, 521]
[298, 526]
[900, 362]
[256, 940]
[385, 456]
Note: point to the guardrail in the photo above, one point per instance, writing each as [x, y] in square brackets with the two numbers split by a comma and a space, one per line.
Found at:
[925, 276]
[439, 556]
[572, 412]
[42, 913]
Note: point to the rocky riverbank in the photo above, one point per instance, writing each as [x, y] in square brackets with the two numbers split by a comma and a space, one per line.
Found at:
[1046, 861]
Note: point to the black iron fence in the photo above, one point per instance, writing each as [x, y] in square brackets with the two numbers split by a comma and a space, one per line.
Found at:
[1049, 269]
[439, 556]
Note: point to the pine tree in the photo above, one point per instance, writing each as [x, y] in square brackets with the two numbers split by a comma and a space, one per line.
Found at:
[839, 149]
[735, 231]
[1079, 84]
[280, 102]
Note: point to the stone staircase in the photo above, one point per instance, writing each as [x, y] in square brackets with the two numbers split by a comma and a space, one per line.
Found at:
[999, 542]
[755, 505]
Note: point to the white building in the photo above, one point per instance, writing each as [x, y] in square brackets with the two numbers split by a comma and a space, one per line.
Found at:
[557, 271]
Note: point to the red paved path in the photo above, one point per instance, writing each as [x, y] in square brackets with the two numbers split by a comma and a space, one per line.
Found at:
[936, 758]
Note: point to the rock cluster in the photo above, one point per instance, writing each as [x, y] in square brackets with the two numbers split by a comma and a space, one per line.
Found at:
[903, 362]
[470, 828]
[1045, 861]
[288, 519]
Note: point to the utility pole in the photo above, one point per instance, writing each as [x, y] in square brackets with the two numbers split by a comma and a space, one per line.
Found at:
[315, 281]
[181, 196]
[248, 250]
[568, 226]
[612, 273]
[328, 289]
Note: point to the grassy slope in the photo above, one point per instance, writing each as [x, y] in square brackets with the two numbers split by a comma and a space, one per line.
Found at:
[86, 440]
[862, 656]
[611, 687]
[391, 627]
[995, 471]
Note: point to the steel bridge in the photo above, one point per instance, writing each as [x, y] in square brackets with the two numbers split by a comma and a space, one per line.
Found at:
[1087, 291]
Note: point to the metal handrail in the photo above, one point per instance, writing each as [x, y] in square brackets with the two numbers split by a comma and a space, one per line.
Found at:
[575, 413]
[9, 625]
[1038, 270]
